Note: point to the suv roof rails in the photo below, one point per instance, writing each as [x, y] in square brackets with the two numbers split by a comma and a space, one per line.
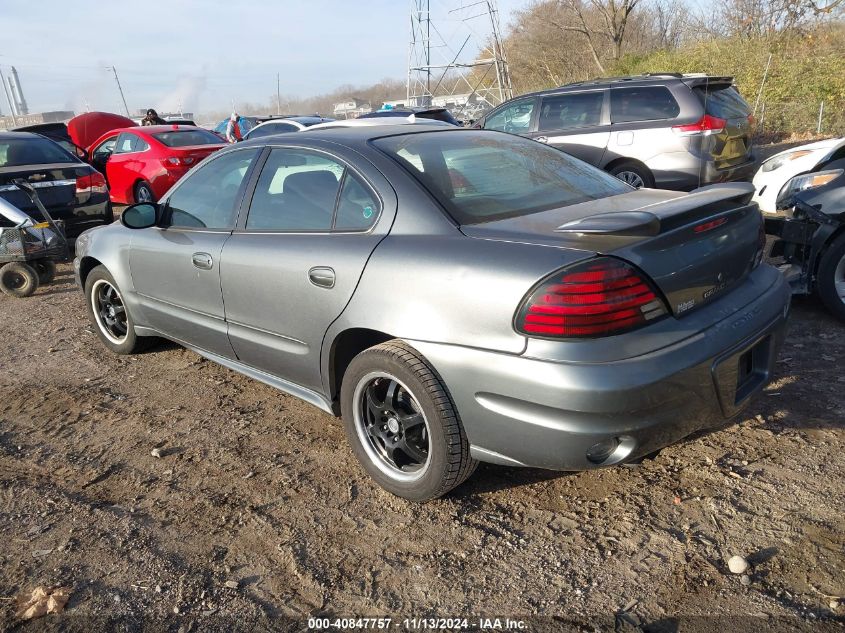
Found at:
[655, 75]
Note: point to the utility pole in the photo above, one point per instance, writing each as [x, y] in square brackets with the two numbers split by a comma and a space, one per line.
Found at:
[120, 88]
[278, 95]
[9, 99]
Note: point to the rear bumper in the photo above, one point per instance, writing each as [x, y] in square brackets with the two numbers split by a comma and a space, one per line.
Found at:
[684, 171]
[533, 412]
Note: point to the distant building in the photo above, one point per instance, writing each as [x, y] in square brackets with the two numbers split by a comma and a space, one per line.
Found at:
[56, 116]
[351, 109]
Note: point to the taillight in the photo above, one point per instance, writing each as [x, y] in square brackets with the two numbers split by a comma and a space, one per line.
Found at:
[174, 160]
[92, 183]
[599, 297]
[705, 125]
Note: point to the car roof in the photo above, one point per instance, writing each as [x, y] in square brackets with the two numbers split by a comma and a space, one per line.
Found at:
[631, 80]
[351, 135]
[9, 135]
[379, 121]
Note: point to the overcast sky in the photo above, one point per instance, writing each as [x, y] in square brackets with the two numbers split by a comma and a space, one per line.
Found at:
[204, 53]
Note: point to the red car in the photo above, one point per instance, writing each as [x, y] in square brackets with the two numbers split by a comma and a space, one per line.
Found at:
[142, 163]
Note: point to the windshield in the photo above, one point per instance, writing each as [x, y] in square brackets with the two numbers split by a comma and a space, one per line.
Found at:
[185, 138]
[479, 176]
[32, 151]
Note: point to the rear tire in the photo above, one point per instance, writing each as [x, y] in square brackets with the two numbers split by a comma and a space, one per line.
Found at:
[18, 280]
[144, 192]
[109, 315]
[402, 423]
[46, 270]
[634, 174]
[830, 281]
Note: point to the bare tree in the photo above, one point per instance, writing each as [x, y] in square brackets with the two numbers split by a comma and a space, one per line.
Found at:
[599, 21]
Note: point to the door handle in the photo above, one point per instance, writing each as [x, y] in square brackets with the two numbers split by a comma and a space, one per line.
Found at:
[542, 139]
[202, 261]
[322, 276]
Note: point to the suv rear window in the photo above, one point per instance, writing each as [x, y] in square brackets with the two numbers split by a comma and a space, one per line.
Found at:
[724, 102]
[186, 138]
[648, 103]
[32, 151]
[482, 176]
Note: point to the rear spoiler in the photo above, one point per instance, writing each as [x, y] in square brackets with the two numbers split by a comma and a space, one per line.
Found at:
[663, 216]
[694, 82]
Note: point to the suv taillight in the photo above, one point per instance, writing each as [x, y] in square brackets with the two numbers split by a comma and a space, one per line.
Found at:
[599, 297]
[92, 183]
[705, 125]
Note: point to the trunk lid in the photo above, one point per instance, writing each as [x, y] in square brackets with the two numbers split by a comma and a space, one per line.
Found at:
[55, 184]
[694, 247]
[195, 152]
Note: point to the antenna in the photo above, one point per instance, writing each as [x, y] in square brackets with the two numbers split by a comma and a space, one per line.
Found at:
[455, 55]
[125, 107]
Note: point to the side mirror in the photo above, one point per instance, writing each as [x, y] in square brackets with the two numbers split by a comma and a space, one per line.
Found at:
[140, 216]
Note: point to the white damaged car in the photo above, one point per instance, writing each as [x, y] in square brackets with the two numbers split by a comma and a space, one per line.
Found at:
[794, 170]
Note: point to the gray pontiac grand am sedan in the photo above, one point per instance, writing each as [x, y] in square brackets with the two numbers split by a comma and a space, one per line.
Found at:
[456, 295]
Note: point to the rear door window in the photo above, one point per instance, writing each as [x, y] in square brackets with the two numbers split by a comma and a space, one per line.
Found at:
[127, 143]
[648, 103]
[570, 111]
[297, 191]
[724, 102]
[357, 207]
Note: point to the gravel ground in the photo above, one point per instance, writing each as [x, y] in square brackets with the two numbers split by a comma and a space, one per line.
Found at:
[259, 490]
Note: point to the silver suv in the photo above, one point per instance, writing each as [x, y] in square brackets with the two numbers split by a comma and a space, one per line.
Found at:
[669, 131]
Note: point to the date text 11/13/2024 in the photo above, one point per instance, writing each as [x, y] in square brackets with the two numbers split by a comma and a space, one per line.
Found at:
[417, 624]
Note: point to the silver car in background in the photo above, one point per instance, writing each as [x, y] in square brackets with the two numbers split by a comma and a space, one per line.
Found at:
[456, 295]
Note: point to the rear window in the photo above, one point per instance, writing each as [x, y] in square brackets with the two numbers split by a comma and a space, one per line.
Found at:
[32, 151]
[482, 176]
[724, 102]
[649, 103]
[186, 138]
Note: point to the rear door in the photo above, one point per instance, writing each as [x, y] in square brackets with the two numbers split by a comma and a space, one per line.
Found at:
[175, 267]
[732, 146]
[291, 266]
[575, 122]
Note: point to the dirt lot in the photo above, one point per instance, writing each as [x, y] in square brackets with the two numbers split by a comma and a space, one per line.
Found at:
[258, 488]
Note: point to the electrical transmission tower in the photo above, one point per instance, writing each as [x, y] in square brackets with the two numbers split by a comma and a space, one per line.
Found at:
[455, 56]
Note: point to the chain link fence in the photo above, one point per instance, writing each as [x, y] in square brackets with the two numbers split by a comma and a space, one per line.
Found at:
[800, 119]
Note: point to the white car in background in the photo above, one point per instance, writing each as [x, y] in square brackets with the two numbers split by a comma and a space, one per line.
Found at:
[782, 169]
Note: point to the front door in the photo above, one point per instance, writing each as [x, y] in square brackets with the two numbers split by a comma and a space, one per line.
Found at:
[292, 265]
[176, 267]
[575, 122]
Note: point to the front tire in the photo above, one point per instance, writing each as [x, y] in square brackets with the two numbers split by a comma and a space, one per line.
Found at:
[18, 280]
[109, 315]
[830, 282]
[144, 192]
[402, 424]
